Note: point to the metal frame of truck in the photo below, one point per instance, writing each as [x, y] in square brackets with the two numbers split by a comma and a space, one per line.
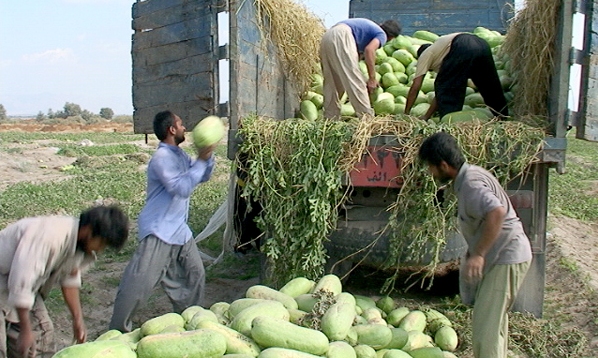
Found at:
[175, 66]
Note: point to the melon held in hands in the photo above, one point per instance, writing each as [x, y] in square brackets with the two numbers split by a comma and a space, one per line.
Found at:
[208, 131]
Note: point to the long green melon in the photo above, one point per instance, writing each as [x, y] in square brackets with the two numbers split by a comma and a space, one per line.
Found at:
[306, 302]
[198, 343]
[374, 335]
[276, 352]
[396, 353]
[296, 316]
[274, 332]
[130, 337]
[235, 342]
[446, 338]
[298, 286]
[330, 283]
[414, 321]
[157, 324]
[337, 320]
[340, 349]
[98, 349]
[428, 352]
[242, 321]
[436, 320]
[200, 316]
[242, 303]
[109, 335]
[267, 293]
[416, 340]
[399, 338]
[395, 316]
[190, 311]
[364, 351]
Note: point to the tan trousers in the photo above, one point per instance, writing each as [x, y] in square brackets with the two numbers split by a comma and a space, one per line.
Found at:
[43, 329]
[178, 268]
[340, 69]
[495, 296]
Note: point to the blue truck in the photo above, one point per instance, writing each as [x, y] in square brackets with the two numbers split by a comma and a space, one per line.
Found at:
[177, 59]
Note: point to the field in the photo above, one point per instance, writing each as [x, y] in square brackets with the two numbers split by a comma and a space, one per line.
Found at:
[61, 169]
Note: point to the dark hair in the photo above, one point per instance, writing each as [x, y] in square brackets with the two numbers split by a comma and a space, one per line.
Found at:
[439, 147]
[107, 222]
[421, 49]
[391, 28]
[163, 121]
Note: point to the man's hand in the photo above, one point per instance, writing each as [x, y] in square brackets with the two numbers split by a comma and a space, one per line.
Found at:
[79, 331]
[26, 343]
[372, 85]
[204, 153]
[474, 267]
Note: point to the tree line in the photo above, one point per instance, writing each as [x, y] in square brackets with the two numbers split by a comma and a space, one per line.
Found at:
[70, 110]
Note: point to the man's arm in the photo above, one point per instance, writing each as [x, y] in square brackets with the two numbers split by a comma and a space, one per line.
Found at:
[177, 182]
[431, 110]
[413, 92]
[26, 340]
[71, 297]
[369, 54]
[490, 231]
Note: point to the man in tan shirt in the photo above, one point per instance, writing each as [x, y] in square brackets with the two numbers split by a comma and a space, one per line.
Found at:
[456, 58]
[37, 252]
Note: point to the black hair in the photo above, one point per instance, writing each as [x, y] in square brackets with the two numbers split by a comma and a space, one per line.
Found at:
[163, 121]
[391, 28]
[439, 147]
[107, 222]
[421, 49]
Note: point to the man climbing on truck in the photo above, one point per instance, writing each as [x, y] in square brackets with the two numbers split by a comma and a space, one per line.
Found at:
[455, 58]
[339, 56]
[499, 252]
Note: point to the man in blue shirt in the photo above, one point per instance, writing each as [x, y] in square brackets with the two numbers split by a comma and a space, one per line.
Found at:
[339, 55]
[167, 253]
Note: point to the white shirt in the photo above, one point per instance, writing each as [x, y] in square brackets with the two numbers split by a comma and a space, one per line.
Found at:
[35, 253]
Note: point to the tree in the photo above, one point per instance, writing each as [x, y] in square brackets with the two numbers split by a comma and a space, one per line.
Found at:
[106, 113]
[3, 115]
[86, 115]
[51, 113]
[40, 116]
[72, 109]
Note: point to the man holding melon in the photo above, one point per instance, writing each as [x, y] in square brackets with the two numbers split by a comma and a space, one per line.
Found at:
[36, 253]
[167, 253]
[456, 58]
[339, 56]
[499, 252]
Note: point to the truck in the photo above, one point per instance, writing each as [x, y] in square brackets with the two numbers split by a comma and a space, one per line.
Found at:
[177, 59]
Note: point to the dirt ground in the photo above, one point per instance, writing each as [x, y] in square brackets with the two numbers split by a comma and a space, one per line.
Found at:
[571, 243]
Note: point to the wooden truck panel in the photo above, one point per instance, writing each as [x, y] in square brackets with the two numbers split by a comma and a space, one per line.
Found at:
[175, 60]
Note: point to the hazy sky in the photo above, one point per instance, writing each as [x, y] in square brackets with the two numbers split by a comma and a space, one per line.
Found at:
[79, 51]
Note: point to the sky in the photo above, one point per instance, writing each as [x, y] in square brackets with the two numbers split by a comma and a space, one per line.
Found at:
[79, 51]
